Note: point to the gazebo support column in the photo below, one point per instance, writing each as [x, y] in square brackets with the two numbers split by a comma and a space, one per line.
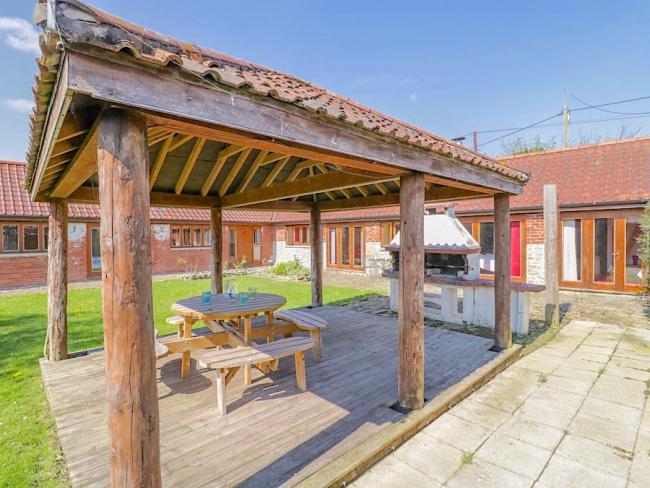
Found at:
[410, 382]
[316, 239]
[131, 392]
[216, 258]
[56, 346]
[502, 319]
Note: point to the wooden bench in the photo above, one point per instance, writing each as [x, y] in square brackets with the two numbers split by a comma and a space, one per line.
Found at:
[160, 349]
[309, 322]
[178, 321]
[228, 361]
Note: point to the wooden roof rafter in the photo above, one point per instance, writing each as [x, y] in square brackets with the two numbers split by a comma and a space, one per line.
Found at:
[234, 171]
[222, 157]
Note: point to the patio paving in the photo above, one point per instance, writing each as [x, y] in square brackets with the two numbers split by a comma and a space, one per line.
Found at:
[273, 434]
[574, 413]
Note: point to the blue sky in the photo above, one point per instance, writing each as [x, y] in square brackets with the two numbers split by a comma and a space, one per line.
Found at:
[449, 67]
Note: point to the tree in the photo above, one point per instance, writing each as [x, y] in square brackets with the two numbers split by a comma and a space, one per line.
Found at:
[644, 242]
[521, 146]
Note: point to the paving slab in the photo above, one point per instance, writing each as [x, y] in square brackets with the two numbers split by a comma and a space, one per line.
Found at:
[595, 455]
[614, 369]
[457, 432]
[504, 393]
[620, 390]
[565, 473]
[482, 474]
[535, 433]
[391, 472]
[442, 460]
[540, 362]
[604, 430]
[640, 470]
[621, 414]
[551, 407]
[514, 455]
[479, 413]
[578, 385]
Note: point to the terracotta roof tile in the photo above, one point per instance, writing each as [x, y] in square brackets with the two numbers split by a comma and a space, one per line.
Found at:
[114, 34]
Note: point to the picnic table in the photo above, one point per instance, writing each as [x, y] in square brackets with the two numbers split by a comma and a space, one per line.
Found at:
[229, 321]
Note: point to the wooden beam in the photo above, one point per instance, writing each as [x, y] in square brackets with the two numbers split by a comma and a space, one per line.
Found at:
[410, 321]
[189, 165]
[234, 171]
[56, 342]
[223, 156]
[242, 116]
[86, 194]
[82, 166]
[272, 158]
[551, 268]
[159, 161]
[362, 190]
[382, 189]
[431, 196]
[180, 140]
[304, 186]
[216, 256]
[279, 166]
[316, 243]
[131, 391]
[458, 184]
[257, 162]
[502, 318]
[281, 206]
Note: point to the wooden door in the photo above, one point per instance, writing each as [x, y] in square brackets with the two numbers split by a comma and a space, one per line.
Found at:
[245, 244]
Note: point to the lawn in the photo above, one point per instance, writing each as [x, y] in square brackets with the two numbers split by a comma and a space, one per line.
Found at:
[28, 453]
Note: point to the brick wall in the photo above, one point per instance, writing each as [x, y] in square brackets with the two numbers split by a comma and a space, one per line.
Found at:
[23, 270]
[535, 229]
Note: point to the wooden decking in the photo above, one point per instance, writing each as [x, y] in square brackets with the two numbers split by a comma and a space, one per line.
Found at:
[273, 434]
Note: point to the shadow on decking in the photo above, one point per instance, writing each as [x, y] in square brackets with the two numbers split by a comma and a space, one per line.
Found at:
[273, 434]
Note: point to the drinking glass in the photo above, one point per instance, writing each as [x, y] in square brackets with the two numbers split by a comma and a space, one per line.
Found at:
[206, 296]
[252, 291]
[243, 298]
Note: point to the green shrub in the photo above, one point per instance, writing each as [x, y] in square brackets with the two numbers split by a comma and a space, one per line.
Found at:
[290, 268]
[644, 242]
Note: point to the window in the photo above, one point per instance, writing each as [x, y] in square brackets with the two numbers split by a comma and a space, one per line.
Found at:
[345, 246]
[207, 237]
[232, 243]
[95, 251]
[298, 235]
[388, 231]
[633, 266]
[10, 238]
[257, 236]
[30, 238]
[187, 237]
[604, 250]
[486, 240]
[46, 236]
[197, 242]
[176, 237]
[572, 250]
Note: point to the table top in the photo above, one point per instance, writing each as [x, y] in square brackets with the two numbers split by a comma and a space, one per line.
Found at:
[222, 308]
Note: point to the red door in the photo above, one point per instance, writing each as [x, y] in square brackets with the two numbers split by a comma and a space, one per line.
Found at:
[515, 249]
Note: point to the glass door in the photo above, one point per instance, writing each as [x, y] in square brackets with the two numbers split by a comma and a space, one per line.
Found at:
[635, 269]
[95, 254]
[345, 247]
[604, 251]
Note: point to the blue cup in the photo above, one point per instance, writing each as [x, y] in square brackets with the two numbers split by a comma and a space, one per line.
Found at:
[206, 296]
[243, 298]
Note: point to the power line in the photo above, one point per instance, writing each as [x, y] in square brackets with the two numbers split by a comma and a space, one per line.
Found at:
[520, 129]
[598, 107]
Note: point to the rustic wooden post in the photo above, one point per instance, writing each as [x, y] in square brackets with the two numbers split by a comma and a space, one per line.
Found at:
[502, 316]
[56, 342]
[410, 379]
[316, 239]
[131, 391]
[551, 226]
[216, 259]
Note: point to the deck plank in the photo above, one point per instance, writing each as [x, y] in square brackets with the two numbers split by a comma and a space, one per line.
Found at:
[274, 434]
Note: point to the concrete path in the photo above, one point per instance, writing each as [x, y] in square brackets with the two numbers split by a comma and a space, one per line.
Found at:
[575, 413]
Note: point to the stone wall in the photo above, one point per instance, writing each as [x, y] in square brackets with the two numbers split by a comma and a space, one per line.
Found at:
[535, 263]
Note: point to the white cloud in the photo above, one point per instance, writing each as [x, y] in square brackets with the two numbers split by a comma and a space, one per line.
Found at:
[20, 105]
[19, 34]
[413, 97]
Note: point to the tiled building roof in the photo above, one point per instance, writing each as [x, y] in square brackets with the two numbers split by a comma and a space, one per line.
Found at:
[82, 25]
[613, 172]
[15, 203]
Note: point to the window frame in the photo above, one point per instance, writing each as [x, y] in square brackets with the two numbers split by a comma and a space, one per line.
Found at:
[392, 227]
[20, 238]
[304, 233]
[23, 229]
[352, 241]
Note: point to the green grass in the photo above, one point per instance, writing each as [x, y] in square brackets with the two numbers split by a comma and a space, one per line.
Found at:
[28, 452]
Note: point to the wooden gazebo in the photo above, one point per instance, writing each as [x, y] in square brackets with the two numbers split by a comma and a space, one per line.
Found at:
[128, 118]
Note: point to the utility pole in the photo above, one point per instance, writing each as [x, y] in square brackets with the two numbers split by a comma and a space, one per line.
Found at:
[566, 117]
[475, 140]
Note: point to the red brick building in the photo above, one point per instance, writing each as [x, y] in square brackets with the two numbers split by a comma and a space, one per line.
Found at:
[180, 237]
